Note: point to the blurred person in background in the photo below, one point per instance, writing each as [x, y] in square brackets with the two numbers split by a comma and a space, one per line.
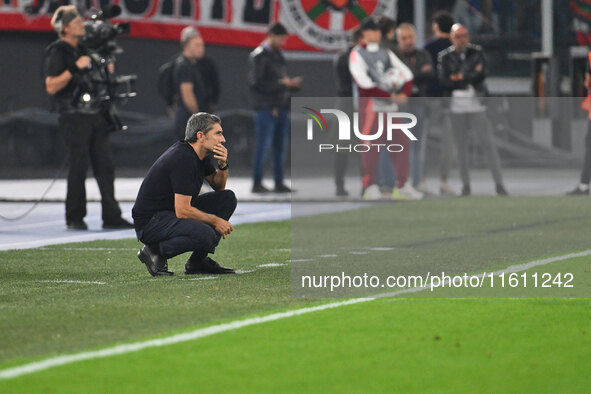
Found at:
[271, 89]
[189, 83]
[441, 26]
[462, 73]
[419, 62]
[382, 80]
[344, 83]
[386, 173]
[582, 188]
[388, 29]
[85, 129]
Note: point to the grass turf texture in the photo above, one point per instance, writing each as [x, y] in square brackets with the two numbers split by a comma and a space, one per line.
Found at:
[43, 318]
[455, 236]
[384, 345]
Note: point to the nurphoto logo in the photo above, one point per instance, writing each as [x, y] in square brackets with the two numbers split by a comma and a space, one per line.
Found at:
[388, 123]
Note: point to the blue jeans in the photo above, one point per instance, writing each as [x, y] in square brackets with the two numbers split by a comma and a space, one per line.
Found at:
[176, 236]
[270, 131]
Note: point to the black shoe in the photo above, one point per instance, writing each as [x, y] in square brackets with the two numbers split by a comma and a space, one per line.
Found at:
[281, 188]
[501, 191]
[259, 188]
[341, 192]
[578, 192]
[77, 225]
[466, 191]
[156, 264]
[206, 266]
[119, 223]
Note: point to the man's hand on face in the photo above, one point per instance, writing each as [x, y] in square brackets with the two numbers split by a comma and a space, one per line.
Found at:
[220, 153]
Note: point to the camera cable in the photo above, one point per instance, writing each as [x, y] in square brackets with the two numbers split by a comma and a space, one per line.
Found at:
[37, 202]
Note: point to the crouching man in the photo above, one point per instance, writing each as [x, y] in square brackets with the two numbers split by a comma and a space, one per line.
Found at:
[170, 216]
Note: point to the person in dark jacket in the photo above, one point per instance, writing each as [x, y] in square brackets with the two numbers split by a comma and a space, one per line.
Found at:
[420, 64]
[462, 73]
[441, 26]
[388, 29]
[582, 189]
[344, 83]
[270, 86]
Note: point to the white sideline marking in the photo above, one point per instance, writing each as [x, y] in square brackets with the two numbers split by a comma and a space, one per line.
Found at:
[89, 249]
[299, 260]
[31, 225]
[202, 278]
[240, 272]
[272, 265]
[91, 282]
[380, 249]
[91, 236]
[189, 336]
[327, 256]
[234, 325]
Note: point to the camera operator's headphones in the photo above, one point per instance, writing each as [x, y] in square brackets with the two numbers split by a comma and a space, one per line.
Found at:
[63, 16]
[58, 23]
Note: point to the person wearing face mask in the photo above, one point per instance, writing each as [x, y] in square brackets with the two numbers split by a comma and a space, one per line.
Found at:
[383, 82]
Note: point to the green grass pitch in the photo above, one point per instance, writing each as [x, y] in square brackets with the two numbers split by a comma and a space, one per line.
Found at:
[423, 344]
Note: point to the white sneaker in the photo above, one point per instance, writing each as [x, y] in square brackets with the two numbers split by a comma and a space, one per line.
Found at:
[407, 192]
[372, 193]
[422, 188]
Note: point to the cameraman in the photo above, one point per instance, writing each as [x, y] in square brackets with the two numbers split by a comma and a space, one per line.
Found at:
[84, 127]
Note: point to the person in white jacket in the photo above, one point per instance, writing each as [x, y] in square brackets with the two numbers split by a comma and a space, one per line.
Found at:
[383, 82]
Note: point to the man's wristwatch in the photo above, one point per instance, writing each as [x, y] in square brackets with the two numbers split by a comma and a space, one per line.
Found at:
[224, 167]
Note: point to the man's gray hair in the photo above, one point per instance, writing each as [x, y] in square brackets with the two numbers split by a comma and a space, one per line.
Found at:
[187, 33]
[201, 121]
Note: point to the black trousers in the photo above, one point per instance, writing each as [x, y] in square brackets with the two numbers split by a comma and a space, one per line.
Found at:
[87, 140]
[176, 236]
[586, 173]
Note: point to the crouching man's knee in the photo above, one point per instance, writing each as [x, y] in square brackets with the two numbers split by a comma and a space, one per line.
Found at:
[228, 199]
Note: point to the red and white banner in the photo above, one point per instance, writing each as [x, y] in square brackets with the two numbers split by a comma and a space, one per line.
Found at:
[313, 24]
